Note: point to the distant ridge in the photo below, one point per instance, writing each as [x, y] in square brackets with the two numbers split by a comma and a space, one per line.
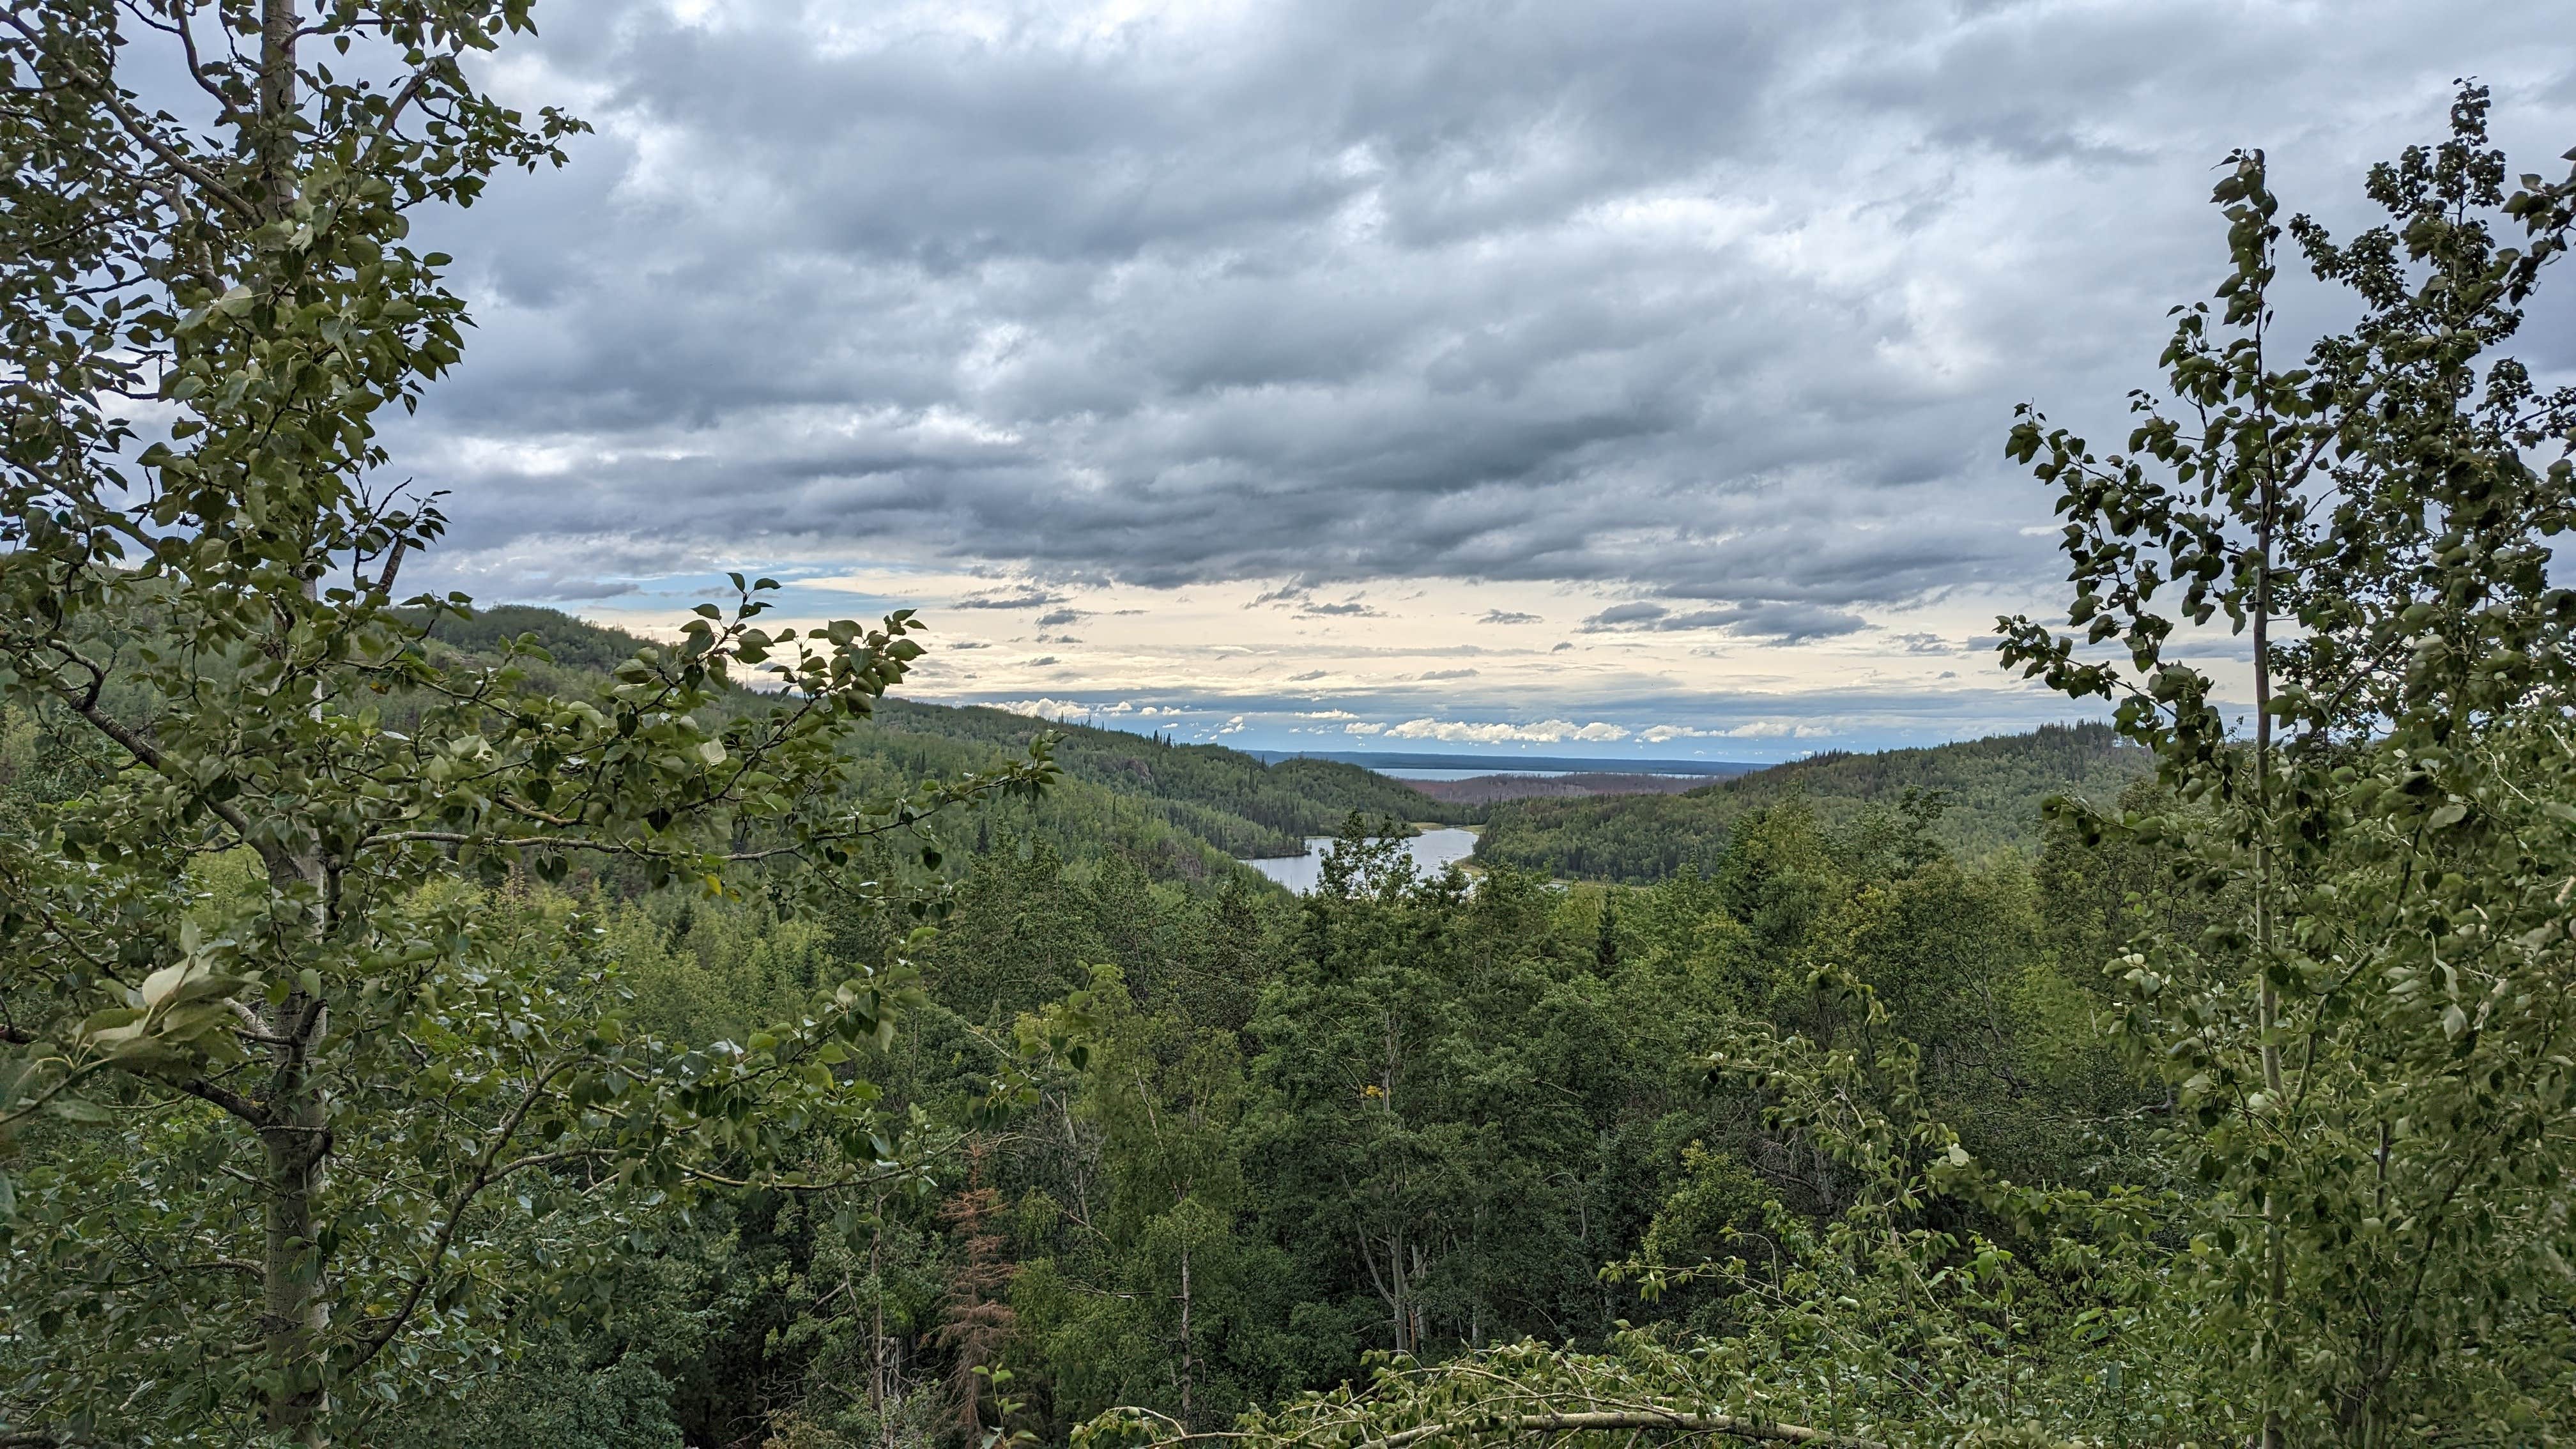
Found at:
[1993, 788]
[1511, 764]
[1179, 811]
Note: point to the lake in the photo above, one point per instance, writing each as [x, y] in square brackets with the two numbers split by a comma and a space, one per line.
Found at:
[1432, 851]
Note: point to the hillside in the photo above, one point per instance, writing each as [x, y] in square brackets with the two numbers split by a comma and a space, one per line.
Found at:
[1176, 807]
[1994, 788]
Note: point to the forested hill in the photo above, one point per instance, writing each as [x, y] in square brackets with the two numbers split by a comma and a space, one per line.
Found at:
[1993, 789]
[1174, 807]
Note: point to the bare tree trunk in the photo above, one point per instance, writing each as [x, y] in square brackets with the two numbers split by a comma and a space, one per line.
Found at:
[275, 143]
[1189, 1365]
[1415, 1297]
[2268, 998]
[294, 1143]
[1392, 1287]
[292, 1310]
[877, 1390]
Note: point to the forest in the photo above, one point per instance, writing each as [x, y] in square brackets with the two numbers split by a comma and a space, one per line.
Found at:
[1978, 796]
[1179, 807]
[431, 1025]
[1400, 1114]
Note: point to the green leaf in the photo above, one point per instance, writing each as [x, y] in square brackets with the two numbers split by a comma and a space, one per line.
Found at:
[81, 1110]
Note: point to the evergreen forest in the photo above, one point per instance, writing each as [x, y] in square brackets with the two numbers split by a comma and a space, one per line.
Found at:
[1978, 797]
[432, 1025]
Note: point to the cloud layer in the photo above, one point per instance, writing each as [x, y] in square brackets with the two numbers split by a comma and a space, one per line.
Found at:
[1718, 312]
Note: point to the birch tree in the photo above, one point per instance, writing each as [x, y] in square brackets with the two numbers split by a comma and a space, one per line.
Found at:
[282, 1142]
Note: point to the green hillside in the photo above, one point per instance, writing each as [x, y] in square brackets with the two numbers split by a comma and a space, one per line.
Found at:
[1178, 808]
[1993, 787]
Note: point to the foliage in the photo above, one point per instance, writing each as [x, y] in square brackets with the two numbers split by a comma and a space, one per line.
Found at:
[1179, 810]
[1285, 801]
[2371, 1046]
[2338, 946]
[355, 950]
[311, 1093]
[1991, 790]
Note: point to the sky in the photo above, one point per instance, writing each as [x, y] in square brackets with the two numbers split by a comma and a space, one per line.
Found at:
[1619, 379]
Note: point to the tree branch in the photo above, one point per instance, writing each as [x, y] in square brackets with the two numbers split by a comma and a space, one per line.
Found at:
[136, 127]
[224, 1097]
[85, 704]
[1613, 1419]
[484, 1176]
[854, 1180]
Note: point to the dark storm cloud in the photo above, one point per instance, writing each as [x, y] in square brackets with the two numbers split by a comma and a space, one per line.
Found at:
[1729, 304]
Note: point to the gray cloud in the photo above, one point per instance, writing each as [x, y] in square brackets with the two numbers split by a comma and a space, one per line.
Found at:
[1507, 616]
[1778, 621]
[1618, 615]
[1016, 599]
[1729, 304]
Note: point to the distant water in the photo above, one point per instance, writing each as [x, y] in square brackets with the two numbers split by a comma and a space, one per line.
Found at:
[1432, 851]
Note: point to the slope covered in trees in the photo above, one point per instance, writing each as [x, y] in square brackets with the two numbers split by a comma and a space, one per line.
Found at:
[1181, 806]
[1986, 795]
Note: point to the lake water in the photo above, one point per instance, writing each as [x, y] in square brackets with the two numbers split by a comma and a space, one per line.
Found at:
[1432, 851]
